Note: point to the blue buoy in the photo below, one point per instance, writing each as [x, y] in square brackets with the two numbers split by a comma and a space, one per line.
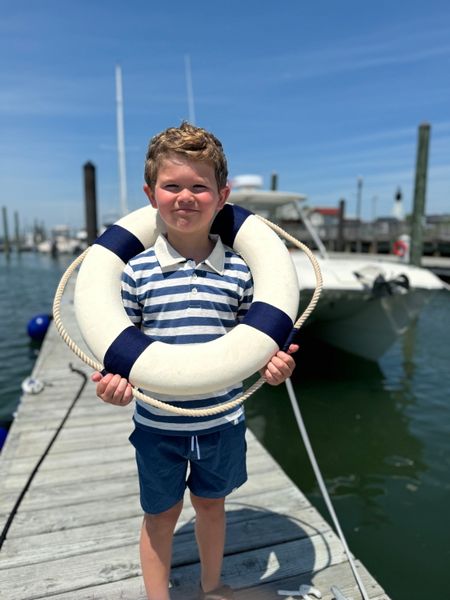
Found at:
[37, 326]
[3, 434]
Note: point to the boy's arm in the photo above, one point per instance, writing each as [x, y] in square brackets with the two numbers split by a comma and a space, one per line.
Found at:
[280, 366]
[110, 388]
[113, 389]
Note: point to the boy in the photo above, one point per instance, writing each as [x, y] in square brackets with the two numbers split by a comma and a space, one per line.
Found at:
[187, 288]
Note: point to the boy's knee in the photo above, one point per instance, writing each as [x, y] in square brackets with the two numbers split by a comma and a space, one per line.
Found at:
[211, 506]
[167, 517]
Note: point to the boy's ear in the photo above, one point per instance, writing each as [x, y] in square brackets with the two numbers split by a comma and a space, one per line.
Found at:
[148, 192]
[223, 195]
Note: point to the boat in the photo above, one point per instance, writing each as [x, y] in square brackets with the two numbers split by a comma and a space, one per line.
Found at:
[63, 241]
[367, 301]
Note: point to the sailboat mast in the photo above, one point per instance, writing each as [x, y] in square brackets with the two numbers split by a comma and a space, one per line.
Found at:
[121, 143]
[190, 91]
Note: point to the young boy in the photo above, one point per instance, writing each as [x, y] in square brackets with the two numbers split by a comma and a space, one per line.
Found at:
[187, 288]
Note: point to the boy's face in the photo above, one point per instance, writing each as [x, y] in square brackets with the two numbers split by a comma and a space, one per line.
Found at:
[187, 196]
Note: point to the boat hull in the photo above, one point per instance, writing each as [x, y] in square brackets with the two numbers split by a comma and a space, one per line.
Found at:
[367, 328]
[356, 314]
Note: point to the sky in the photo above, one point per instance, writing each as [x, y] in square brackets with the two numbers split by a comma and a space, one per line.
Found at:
[320, 92]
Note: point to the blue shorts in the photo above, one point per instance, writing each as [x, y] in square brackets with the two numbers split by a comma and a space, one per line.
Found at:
[216, 465]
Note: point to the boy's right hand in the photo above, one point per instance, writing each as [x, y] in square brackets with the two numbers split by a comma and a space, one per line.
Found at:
[113, 389]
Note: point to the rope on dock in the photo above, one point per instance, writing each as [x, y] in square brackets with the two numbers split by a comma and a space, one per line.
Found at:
[193, 412]
[33, 473]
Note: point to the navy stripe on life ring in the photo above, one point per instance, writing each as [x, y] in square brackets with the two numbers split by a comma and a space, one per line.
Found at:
[122, 242]
[125, 350]
[228, 221]
[270, 320]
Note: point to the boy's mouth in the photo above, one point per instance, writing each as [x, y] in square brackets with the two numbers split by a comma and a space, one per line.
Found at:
[185, 210]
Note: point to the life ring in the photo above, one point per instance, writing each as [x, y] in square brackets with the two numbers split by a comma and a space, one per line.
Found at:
[186, 369]
[400, 248]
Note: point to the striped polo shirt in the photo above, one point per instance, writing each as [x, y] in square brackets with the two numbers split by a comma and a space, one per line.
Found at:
[176, 301]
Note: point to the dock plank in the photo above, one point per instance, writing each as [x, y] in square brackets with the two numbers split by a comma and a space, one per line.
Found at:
[252, 523]
[244, 568]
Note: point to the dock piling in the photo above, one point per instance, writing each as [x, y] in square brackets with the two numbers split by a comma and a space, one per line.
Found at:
[340, 230]
[419, 195]
[274, 181]
[6, 246]
[17, 238]
[90, 202]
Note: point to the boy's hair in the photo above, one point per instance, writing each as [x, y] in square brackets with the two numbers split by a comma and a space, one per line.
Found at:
[189, 141]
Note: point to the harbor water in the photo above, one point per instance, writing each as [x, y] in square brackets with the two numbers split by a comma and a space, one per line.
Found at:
[380, 432]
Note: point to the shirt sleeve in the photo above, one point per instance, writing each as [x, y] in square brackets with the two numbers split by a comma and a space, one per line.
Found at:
[130, 297]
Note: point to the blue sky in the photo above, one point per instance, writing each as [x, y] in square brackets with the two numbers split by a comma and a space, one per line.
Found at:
[321, 92]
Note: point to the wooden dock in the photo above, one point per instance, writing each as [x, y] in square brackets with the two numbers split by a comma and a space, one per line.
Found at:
[69, 499]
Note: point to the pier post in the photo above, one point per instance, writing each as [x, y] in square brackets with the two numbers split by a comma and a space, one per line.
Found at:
[420, 187]
[6, 246]
[274, 182]
[17, 231]
[90, 202]
[359, 185]
[340, 230]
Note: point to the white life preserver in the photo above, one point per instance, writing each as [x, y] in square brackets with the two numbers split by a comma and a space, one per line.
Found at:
[186, 369]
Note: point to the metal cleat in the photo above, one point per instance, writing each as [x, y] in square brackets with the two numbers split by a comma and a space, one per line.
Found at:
[338, 595]
[304, 591]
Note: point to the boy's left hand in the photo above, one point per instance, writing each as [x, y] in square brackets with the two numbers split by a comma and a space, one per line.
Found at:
[280, 366]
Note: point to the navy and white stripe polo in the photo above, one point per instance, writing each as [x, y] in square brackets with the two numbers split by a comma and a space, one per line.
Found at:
[176, 301]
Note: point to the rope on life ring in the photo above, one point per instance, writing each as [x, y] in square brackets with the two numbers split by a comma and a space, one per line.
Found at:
[94, 364]
[400, 248]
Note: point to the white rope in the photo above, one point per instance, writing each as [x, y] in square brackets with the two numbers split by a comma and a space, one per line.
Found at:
[193, 412]
[322, 486]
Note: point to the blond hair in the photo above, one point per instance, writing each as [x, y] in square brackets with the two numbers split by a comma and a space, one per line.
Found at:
[189, 141]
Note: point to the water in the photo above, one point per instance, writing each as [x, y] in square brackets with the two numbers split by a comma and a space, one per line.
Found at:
[27, 286]
[381, 433]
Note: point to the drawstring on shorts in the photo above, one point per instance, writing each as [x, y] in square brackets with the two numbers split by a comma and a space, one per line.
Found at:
[195, 446]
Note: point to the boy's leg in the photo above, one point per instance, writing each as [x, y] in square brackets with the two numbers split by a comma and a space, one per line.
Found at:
[217, 468]
[162, 465]
[210, 535]
[156, 551]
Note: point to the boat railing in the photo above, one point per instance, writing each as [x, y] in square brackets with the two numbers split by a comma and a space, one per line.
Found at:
[303, 214]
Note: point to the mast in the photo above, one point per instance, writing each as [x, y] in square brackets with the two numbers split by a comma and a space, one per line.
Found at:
[121, 143]
[190, 92]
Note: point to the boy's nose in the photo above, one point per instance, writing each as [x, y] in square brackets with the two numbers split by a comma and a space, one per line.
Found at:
[185, 195]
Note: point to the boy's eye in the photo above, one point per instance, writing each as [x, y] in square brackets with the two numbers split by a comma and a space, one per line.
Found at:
[170, 186]
[199, 187]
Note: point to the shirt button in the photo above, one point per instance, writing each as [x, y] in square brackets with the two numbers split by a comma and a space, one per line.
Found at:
[194, 276]
[194, 290]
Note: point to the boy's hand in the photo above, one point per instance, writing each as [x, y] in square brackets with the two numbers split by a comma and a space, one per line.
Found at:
[113, 389]
[280, 366]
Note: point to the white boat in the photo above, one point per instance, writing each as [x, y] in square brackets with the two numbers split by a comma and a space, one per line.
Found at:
[63, 241]
[367, 301]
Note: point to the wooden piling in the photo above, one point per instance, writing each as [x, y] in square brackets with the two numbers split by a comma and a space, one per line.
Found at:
[90, 202]
[359, 185]
[419, 195]
[17, 239]
[340, 231]
[274, 182]
[6, 246]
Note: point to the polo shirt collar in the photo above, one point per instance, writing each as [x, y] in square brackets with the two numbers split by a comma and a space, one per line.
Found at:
[168, 257]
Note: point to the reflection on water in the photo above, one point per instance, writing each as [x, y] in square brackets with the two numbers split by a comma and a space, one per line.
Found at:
[381, 437]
